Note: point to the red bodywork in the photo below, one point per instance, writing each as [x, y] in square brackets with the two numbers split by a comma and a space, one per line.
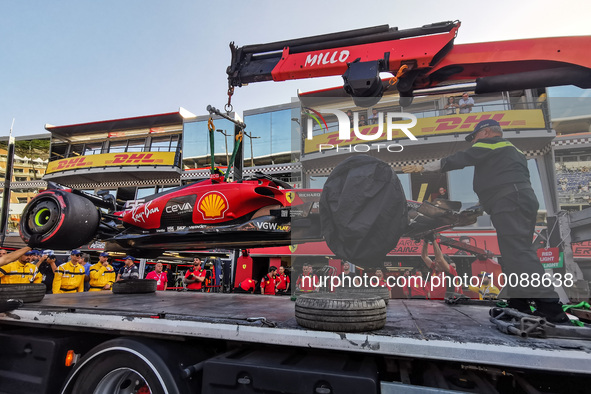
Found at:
[209, 203]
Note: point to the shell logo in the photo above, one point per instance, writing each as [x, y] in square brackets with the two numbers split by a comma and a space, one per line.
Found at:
[213, 205]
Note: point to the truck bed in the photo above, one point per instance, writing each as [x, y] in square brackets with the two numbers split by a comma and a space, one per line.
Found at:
[414, 328]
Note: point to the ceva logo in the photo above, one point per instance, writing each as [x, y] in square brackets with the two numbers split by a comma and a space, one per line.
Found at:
[344, 125]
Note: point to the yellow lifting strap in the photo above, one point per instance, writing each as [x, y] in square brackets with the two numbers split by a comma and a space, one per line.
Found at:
[210, 125]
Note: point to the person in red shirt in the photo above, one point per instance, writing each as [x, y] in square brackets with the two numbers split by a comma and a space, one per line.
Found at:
[308, 285]
[416, 286]
[283, 282]
[437, 287]
[159, 276]
[246, 286]
[382, 283]
[195, 276]
[268, 283]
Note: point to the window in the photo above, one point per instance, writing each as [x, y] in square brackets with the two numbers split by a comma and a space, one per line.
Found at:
[117, 146]
[93, 149]
[143, 192]
[164, 144]
[136, 145]
[22, 200]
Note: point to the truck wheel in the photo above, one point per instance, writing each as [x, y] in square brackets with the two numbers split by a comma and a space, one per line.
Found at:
[340, 312]
[56, 219]
[26, 292]
[127, 365]
[133, 286]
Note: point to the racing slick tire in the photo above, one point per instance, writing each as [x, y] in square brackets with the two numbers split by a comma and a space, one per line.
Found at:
[26, 292]
[134, 286]
[56, 219]
[381, 292]
[340, 312]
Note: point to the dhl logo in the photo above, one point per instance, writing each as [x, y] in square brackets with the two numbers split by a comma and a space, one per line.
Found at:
[133, 158]
[467, 123]
[75, 162]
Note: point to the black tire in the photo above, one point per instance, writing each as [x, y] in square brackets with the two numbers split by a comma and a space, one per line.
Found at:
[134, 286]
[381, 292]
[26, 292]
[10, 305]
[340, 312]
[56, 219]
[125, 365]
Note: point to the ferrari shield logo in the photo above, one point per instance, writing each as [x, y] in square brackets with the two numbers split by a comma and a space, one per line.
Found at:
[292, 248]
[290, 196]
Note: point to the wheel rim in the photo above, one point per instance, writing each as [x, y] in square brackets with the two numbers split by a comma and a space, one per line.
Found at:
[123, 381]
[44, 217]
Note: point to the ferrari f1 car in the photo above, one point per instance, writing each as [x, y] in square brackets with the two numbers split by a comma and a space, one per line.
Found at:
[255, 212]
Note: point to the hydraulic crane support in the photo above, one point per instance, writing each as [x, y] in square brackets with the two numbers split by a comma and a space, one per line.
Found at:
[428, 51]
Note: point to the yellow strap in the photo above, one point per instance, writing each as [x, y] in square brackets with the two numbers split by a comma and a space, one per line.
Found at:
[210, 125]
[502, 144]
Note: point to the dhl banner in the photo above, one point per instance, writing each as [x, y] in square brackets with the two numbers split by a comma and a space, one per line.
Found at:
[439, 125]
[112, 160]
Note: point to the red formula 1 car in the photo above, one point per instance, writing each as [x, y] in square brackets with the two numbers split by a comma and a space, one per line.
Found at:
[260, 211]
[256, 212]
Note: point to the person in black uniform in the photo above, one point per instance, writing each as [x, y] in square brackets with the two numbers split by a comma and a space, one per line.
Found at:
[502, 183]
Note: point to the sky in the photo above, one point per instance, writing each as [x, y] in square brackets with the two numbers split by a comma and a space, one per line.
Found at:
[65, 62]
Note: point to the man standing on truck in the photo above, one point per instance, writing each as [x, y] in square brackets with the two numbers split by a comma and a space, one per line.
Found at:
[502, 183]
[102, 274]
[195, 276]
[69, 277]
[16, 267]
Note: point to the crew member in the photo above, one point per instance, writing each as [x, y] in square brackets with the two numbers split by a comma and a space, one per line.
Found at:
[195, 276]
[21, 270]
[102, 274]
[69, 277]
[283, 281]
[502, 183]
[246, 286]
[47, 267]
[159, 276]
[268, 283]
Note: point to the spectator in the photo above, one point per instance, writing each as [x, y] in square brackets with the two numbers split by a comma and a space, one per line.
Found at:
[362, 121]
[69, 277]
[195, 276]
[102, 274]
[159, 276]
[350, 115]
[441, 193]
[47, 267]
[3, 253]
[269, 283]
[283, 281]
[375, 117]
[16, 267]
[466, 103]
[128, 271]
[451, 106]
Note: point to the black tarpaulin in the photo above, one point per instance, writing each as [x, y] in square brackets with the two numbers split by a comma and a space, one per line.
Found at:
[363, 210]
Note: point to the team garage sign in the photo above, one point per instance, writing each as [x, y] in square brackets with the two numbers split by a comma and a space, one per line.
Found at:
[112, 160]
